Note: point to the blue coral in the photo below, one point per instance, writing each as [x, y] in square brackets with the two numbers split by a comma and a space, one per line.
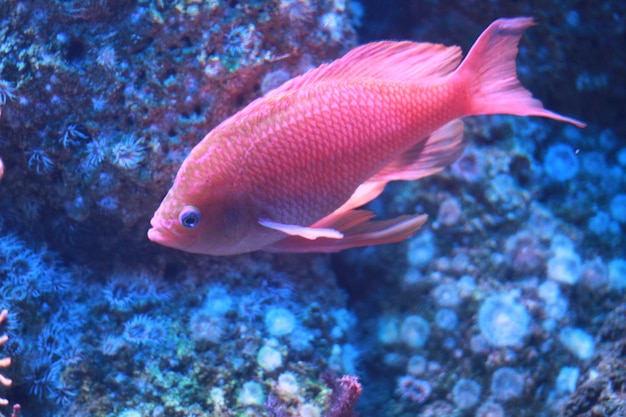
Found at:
[466, 393]
[143, 330]
[561, 162]
[119, 293]
[7, 92]
[39, 161]
[43, 376]
[503, 321]
[507, 384]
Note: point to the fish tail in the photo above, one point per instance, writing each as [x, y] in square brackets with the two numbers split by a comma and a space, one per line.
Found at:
[490, 67]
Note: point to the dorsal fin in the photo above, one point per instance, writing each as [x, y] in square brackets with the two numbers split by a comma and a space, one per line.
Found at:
[384, 61]
[390, 61]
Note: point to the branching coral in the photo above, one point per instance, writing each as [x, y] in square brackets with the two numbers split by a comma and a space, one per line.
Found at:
[346, 392]
[5, 363]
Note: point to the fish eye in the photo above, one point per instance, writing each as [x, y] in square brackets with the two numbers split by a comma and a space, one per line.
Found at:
[189, 217]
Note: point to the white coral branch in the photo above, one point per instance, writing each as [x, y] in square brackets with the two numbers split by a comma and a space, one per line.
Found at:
[4, 362]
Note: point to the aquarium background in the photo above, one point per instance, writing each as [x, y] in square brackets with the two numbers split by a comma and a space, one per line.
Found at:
[509, 302]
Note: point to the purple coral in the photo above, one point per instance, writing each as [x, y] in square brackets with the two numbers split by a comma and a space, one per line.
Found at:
[450, 212]
[413, 390]
[469, 166]
[524, 253]
[346, 392]
[276, 407]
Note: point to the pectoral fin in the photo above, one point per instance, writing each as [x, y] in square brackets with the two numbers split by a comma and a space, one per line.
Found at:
[309, 233]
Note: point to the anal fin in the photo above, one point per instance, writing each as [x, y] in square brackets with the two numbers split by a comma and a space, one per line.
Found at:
[359, 232]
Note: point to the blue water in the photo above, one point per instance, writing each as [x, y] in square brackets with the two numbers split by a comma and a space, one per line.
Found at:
[508, 302]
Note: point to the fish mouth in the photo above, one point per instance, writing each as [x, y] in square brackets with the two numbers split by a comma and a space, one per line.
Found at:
[155, 235]
[158, 234]
[161, 237]
[165, 236]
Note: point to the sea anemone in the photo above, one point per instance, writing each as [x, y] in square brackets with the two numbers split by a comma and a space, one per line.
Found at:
[128, 153]
[119, 293]
[207, 327]
[412, 389]
[52, 339]
[96, 151]
[414, 331]
[142, 330]
[279, 321]
[6, 92]
[107, 57]
[503, 321]
[561, 162]
[507, 384]
[524, 253]
[466, 393]
[469, 167]
[74, 134]
[39, 161]
[42, 376]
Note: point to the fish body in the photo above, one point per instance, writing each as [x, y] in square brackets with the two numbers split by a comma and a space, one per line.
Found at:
[288, 172]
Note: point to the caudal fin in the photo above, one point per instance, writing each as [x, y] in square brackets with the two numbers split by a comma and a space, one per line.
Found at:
[490, 67]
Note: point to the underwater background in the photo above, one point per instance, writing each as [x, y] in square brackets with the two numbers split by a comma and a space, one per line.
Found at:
[509, 302]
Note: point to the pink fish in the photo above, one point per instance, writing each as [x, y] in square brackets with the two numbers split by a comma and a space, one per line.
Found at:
[288, 172]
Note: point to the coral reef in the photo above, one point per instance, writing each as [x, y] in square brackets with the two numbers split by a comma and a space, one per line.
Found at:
[510, 301]
[522, 231]
[600, 389]
[102, 100]
[214, 338]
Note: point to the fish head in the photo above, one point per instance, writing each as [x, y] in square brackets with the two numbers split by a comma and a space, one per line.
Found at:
[211, 222]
